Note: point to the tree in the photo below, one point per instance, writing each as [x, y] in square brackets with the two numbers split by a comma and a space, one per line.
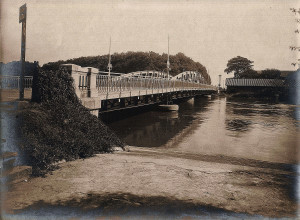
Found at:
[137, 61]
[238, 65]
[265, 74]
[249, 74]
[270, 74]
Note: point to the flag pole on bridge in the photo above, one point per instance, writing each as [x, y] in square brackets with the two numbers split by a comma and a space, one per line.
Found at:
[168, 62]
[109, 66]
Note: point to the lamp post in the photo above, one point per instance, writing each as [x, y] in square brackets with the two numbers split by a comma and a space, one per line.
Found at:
[109, 66]
[220, 77]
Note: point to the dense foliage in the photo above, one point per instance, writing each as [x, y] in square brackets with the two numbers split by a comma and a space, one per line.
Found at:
[270, 74]
[264, 74]
[136, 61]
[59, 127]
[243, 68]
[238, 65]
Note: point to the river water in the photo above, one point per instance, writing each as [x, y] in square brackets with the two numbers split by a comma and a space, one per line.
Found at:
[250, 129]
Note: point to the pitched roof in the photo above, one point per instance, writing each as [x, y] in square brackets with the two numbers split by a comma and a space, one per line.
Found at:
[255, 82]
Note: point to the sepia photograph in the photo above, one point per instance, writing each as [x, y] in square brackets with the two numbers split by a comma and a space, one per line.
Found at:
[149, 109]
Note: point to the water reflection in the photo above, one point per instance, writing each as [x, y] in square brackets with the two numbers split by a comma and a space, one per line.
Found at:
[10, 131]
[237, 125]
[237, 128]
[155, 128]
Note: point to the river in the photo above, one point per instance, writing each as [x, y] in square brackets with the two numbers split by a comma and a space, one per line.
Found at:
[244, 151]
[250, 129]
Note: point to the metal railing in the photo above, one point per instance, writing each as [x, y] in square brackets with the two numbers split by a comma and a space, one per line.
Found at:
[106, 84]
[13, 82]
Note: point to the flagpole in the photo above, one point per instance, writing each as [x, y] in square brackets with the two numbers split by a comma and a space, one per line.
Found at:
[109, 58]
[168, 62]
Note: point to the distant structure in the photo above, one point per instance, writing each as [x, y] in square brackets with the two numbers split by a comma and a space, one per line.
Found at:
[220, 77]
[260, 88]
[252, 85]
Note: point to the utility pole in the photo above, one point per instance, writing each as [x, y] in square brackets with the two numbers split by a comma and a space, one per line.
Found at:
[22, 19]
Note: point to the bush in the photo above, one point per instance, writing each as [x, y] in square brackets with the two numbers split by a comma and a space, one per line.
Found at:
[56, 126]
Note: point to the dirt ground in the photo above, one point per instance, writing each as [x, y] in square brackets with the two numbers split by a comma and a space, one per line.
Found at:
[7, 95]
[145, 181]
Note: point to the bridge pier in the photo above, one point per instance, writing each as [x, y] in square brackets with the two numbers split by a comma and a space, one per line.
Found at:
[154, 99]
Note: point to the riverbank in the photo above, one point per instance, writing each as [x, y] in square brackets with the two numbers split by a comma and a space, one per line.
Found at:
[55, 126]
[148, 182]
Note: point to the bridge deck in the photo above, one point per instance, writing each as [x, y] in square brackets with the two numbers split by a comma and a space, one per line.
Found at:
[98, 92]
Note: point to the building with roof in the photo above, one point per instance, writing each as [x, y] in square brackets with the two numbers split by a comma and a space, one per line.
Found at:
[255, 86]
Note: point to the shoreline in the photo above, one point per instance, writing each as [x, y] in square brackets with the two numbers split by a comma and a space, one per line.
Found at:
[154, 180]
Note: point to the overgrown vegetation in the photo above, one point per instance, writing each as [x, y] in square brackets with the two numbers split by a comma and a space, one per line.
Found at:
[56, 126]
[136, 61]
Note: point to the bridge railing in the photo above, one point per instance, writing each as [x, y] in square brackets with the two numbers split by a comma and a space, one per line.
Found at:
[13, 82]
[105, 84]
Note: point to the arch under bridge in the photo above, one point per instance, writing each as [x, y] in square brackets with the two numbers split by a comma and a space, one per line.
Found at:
[101, 92]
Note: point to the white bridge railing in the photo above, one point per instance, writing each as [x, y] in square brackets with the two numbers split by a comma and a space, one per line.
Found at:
[110, 84]
[106, 84]
[13, 82]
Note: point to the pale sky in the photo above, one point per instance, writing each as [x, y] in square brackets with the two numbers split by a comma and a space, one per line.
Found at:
[210, 32]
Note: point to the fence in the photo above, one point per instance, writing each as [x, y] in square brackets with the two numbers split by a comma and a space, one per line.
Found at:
[106, 84]
[13, 82]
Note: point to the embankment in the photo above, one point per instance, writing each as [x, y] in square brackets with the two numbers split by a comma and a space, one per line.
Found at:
[55, 126]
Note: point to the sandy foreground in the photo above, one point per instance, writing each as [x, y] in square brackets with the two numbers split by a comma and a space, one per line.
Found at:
[157, 181]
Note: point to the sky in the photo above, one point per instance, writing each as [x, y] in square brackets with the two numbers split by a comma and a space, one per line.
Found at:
[210, 32]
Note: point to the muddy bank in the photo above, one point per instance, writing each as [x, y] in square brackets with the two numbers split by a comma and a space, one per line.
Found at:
[147, 181]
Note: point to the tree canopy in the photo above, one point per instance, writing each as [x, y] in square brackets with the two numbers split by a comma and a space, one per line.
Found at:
[264, 74]
[136, 61]
[238, 65]
[243, 68]
[249, 74]
[270, 74]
